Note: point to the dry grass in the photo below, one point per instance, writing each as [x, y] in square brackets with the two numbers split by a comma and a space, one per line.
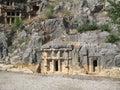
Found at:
[32, 67]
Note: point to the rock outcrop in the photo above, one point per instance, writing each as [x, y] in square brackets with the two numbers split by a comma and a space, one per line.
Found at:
[3, 46]
[27, 41]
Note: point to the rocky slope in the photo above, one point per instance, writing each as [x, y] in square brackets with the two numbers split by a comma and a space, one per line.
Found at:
[21, 45]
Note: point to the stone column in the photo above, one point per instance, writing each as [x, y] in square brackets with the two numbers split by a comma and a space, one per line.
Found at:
[44, 57]
[52, 54]
[29, 16]
[53, 63]
[58, 54]
[65, 57]
[90, 65]
[85, 63]
[66, 60]
[65, 54]
[13, 4]
[59, 66]
[20, 15]
[10, 21]
[5, 17]
[70, 57]
[98, 65]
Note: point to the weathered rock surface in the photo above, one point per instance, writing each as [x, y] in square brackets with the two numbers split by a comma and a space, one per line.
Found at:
[39, 33]
[3, 46]
[117, 60]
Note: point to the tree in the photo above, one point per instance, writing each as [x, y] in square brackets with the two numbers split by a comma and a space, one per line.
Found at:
[114, 12]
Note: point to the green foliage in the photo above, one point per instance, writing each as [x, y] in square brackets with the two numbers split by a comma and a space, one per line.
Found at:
[49, 12]
[104, 27]
[114, 12]
[112, 38]
[17, 22]
[87, 27]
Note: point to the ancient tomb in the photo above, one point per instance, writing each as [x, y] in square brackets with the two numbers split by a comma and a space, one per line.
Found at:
[56, 57]
[10, 9]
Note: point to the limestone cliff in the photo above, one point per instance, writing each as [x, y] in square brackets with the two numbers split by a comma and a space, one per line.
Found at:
[59, 19]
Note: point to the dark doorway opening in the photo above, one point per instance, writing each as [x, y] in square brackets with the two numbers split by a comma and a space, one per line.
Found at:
[13, 13]
[12, 20]
[35, 8]
[56, 65]
[7, 3]
[94, 65]
[8, 13]
[17, 13]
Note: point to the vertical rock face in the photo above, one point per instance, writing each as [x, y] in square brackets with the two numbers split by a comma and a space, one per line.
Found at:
[3, 46]
[107, 53]
[88, 48]
[30, 53]
[117, 60]
[96, 5]
[54, 27]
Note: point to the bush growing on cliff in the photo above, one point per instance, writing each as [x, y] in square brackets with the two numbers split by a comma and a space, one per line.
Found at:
[112, 38]
[114, 12]
[17, 22]
[87, 27]
[104, 27]
[49, 12]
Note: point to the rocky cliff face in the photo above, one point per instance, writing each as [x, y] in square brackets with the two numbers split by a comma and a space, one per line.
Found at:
[67, 15]
[3, 46]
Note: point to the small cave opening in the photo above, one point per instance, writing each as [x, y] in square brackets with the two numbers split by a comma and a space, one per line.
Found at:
[13, 13]
[35, 8]
[17, 13]
[94, 65]
[56, 65]
[8, 13]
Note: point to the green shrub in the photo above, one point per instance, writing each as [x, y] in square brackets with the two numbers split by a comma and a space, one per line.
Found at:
[17, 22]
[87, 27]
[104, 27]
[114, 12]
[112, 38]
[49, 12]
